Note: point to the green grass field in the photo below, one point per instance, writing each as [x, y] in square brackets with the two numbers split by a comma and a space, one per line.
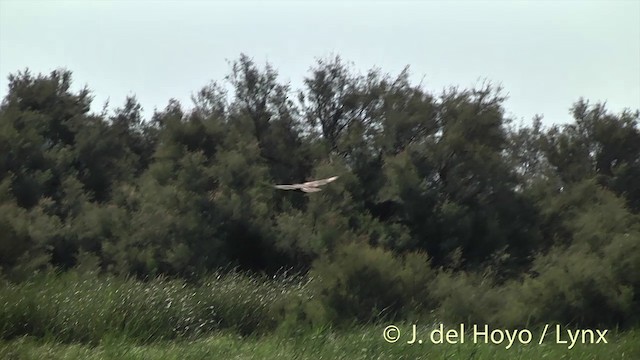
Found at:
[360, 343]
[72, 316]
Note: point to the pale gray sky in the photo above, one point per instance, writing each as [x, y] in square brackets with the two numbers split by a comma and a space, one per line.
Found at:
[546, 54]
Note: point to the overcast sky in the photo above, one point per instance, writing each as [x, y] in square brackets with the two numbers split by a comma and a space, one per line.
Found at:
[546, 54]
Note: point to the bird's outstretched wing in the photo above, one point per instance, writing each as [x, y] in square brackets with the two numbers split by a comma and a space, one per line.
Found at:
[321, 182]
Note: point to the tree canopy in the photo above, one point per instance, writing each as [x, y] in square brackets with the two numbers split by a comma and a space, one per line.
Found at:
[189, 191]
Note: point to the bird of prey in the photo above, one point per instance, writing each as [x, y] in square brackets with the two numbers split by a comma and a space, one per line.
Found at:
[309, 186]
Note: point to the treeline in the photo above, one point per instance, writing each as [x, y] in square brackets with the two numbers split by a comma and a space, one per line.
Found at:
[440, 199]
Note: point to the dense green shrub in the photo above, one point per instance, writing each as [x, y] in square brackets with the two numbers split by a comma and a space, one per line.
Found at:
[367, 284]
[577, 286]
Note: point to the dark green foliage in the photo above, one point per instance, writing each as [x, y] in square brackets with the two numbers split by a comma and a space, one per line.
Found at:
[365, 284]
[587, 270]
[599, 145]
[521, 224]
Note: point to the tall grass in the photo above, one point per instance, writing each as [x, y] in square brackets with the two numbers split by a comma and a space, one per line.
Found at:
[86, 308]
[73, 307]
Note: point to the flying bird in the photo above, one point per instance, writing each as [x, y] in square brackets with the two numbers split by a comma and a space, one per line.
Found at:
[309, 186]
